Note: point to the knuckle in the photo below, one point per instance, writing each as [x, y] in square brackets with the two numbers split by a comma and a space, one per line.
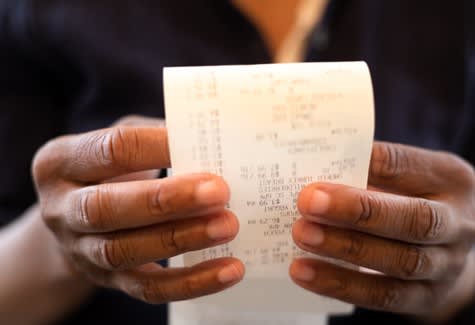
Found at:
[53, 223]
[117, 253]
[367, 208]
[50, 216]
[354, 247]
[111, 148]
[39, 165]
[168, 200]
[462, 170]
[190, 286]
[44, 167]
[389, 160]
[414, 263]
[151, 291]
[84, 259]
[83, 207]
[387, 298]
[169, 241]
[427, 223]
[93, 208]
[93, 145]
[77, 257]
[98, 254]
[155, 204]
[104, 206]
[337, 287]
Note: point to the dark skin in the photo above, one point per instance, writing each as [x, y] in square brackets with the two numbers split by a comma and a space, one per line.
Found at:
[415, 225]
[113, 219]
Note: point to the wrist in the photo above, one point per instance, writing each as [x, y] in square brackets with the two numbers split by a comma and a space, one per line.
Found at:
[34, 268]
[53, 272]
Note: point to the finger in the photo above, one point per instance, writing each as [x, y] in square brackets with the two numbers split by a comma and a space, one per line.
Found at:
[140, 121]
[137, 176]
[390, 257]
[128, 249]
[362, 289]
[156, 285]
[104, 154]
[415, 171]
[392, 216]
[109, 207]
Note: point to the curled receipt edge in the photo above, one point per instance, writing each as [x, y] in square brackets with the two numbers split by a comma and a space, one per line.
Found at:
[269, 130]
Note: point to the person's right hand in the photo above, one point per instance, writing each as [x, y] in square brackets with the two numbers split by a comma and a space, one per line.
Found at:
[113, 232]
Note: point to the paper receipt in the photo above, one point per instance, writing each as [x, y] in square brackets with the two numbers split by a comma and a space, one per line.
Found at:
[269, 130]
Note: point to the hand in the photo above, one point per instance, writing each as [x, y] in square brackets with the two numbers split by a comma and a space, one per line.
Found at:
[416, 226]
[113, 229]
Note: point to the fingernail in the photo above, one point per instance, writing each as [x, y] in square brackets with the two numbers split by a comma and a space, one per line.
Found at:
[230, 273]
[220, 228]
[303, 272]
[319, 203]
[311, 234]
[206, 192]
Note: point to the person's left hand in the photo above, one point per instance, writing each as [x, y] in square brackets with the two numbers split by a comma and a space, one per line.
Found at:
[416, 226]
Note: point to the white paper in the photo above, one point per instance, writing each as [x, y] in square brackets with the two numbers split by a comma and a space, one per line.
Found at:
[269, 130]
[190, 313]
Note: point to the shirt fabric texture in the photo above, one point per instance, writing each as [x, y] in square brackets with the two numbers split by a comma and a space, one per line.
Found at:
[73, 66]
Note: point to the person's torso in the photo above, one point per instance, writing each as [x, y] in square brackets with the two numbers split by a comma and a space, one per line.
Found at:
[104, 59]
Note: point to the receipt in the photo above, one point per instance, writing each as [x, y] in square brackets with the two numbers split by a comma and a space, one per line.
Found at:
[269, 130]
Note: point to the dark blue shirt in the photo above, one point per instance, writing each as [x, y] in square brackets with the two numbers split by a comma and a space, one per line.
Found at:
[72, 66]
